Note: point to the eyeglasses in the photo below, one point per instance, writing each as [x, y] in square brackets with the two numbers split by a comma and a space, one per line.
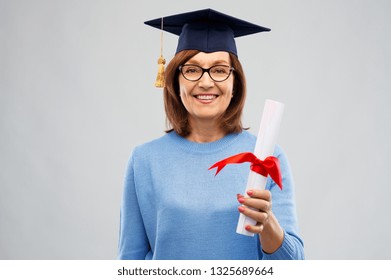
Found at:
[217, 73]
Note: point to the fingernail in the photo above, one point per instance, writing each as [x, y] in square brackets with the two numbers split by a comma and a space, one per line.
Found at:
[247, 227]
[241, 199]
[250, 193]
[241, 209]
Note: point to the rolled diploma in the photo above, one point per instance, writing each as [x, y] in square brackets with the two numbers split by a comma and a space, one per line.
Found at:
[264, 147]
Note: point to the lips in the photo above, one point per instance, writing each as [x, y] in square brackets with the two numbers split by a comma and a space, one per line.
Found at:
[206, 97]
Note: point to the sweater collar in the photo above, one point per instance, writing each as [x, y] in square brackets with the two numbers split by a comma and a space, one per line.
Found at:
[205, 148]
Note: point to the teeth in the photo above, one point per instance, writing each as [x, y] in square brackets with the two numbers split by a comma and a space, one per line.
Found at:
[206, 97]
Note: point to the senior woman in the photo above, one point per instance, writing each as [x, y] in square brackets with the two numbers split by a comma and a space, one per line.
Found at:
[173, 207]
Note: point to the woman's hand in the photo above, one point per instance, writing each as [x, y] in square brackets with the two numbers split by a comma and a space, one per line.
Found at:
[258, 206]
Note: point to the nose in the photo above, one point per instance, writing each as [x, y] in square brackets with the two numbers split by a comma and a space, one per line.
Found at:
[205, 81]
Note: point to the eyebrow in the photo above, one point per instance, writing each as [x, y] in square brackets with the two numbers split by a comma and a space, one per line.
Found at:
[216, 62]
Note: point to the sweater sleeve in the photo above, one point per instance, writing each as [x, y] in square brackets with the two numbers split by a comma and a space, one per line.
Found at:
[284, 209]
[133, 241]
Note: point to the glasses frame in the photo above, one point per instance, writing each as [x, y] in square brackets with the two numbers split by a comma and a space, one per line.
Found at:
[207, 70]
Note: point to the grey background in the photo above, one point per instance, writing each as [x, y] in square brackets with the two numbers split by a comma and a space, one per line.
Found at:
[76, 95]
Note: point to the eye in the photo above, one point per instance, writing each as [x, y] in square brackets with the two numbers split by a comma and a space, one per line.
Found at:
[220, 69]
[191, 69]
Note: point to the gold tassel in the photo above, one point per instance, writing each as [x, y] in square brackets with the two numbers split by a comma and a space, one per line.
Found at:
[160, 82]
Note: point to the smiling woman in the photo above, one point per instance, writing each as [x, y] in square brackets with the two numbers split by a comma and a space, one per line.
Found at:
[232, 88]
[206, 100]
[173, 207]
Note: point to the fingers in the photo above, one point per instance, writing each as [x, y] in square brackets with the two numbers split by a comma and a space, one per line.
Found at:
[257, 206]
[260, 200]
[262, 194]
[259, 216]
[255, 229]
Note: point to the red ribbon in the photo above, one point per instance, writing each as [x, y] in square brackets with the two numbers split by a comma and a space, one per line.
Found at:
[268, 166]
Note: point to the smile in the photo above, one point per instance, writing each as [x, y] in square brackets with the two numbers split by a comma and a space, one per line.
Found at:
[206, 96]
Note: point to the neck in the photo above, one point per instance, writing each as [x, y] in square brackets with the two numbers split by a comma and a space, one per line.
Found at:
[204, 132]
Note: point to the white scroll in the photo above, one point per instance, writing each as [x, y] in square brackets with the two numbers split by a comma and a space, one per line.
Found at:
[264, 147]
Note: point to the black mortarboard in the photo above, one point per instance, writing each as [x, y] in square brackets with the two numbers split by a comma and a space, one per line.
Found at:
[206, 30]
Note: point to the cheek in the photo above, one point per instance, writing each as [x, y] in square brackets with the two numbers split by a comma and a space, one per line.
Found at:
[228, 94]
[184, 94]
[228, 89]
[229, 86]
[183, 89]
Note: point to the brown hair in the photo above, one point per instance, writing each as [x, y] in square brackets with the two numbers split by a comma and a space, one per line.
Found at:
[177, 115]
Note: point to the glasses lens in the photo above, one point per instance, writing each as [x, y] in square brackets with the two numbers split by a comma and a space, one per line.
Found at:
[220, 72]
[192, 72]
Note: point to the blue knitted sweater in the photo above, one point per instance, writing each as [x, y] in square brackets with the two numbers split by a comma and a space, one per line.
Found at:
[173, 207]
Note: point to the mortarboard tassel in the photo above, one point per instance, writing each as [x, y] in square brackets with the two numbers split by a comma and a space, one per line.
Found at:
[160, 82]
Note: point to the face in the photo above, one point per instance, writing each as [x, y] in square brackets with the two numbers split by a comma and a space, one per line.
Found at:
[206, 99]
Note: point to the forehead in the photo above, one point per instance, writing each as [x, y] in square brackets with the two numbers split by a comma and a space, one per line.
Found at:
[203, 58]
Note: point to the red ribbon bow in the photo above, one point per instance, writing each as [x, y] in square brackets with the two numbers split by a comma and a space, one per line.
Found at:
[268, 166]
